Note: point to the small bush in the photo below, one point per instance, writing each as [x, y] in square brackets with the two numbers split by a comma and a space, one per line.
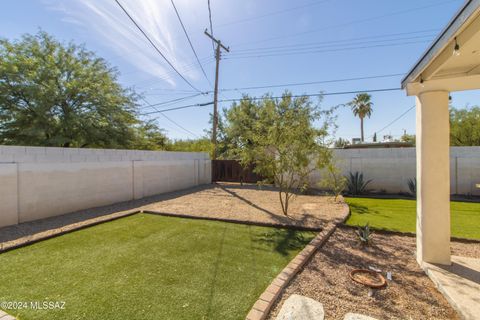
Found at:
[356, 184]
[365, 234]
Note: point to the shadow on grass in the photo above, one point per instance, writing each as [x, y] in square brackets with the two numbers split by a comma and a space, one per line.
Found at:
[358, 208]
[283, 240]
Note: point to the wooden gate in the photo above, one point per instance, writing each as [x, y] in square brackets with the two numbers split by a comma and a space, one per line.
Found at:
[232, 171]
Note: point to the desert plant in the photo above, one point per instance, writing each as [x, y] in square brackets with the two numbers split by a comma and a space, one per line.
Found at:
[365, 234]
[412, 186]
[356, 184]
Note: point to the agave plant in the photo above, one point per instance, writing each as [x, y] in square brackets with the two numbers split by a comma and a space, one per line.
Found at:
[412, 186]
[365, 234]
[356, 184]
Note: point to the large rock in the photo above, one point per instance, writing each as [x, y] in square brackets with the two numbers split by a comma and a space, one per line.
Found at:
[298, 307]
[357, 316]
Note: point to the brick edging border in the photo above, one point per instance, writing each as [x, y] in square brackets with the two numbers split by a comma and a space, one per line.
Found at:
[262, 306]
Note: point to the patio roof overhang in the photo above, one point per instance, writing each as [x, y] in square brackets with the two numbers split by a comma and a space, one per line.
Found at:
[446, 66]
[452, 63]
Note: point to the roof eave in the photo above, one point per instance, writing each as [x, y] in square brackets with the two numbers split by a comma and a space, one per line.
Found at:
[449, 32]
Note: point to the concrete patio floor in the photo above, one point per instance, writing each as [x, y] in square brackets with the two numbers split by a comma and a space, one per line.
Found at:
[459, 283]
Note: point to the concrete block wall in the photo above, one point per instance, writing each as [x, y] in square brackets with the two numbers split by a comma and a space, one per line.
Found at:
[391, 168]
[38, 182]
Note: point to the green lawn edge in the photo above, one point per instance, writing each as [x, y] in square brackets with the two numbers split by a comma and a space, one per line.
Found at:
[400, 215]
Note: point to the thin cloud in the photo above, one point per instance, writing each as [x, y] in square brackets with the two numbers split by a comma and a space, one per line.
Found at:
[106, 20]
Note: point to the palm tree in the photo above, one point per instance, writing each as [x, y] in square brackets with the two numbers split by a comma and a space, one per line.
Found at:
[362, 107]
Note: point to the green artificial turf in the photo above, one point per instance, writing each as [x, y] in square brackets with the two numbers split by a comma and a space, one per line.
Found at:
[400, 215]
[149, 267]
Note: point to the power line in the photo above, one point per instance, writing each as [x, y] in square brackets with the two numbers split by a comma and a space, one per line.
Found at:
[178, 125]
[274, 13]
[431, 32]
[178, 108]
[330, 44]
[170, 101]
[373, 18]
[395, 120]
[175, 123]
[136, 70]
[208, 59]
[322, 51]
[318, 94]
[278, 97]
[156, 48]
[190, 42]
[165, 76]
[315, 82]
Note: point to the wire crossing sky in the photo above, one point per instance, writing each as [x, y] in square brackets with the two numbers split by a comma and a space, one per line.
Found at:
[306, 47]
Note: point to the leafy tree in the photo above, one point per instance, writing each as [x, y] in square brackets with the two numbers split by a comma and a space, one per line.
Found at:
[194, 145]
[245, 123]
[279, 137]
[55, 94]
[341, 143]
[361, 107]
[465, 127]
[149, 137]
[410, 138]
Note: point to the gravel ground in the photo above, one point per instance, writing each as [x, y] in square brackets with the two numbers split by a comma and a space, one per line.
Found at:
[252, 203]
[411, 294]
[226, 201]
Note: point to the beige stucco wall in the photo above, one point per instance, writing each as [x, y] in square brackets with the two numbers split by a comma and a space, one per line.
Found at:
[390, 168]
[43, 182]
[8, 194]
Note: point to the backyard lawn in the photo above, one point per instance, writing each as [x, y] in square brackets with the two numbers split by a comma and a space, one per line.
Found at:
[399, 215]
[149, 267]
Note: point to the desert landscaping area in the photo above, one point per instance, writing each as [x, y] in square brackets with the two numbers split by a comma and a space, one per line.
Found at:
[410, 292]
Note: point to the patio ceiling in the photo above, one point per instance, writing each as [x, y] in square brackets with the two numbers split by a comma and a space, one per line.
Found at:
[445, 67]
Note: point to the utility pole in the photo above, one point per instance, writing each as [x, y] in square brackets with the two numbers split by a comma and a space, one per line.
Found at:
[215, 93]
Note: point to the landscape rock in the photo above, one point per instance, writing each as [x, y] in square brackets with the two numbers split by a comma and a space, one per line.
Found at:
[357, 316]
[301, 308]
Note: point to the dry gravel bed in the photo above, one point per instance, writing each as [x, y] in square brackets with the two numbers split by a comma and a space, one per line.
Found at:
[252, 203]
[411, 294]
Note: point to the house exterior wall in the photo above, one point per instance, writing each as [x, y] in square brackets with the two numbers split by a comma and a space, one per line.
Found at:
[391, 168]
[39, 182]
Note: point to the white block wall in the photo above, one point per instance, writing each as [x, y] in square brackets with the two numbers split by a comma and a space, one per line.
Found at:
[37, 182]
[390, 168]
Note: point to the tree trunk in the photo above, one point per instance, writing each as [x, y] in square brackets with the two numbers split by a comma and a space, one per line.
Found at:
[284, 203]
[361, 129]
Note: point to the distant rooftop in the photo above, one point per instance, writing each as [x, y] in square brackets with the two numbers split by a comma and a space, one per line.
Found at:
[394, 144]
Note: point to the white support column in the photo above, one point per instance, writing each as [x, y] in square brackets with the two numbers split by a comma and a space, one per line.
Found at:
[433, 178]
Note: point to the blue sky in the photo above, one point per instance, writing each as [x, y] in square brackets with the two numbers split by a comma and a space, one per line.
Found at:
[272, 42]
